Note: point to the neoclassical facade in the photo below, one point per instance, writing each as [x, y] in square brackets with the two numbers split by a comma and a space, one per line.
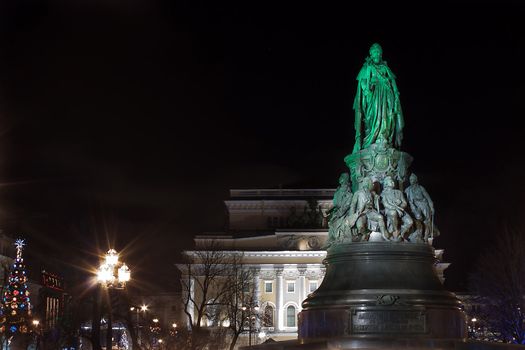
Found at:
[280, 234]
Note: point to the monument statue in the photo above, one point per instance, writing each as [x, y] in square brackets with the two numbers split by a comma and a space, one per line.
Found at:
[395, 205]
[381, 289]
[338, 226]
[378, 115]
[421, 205]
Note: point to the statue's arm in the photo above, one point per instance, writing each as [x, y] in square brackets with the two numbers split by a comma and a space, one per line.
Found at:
[353, 205]
[364, 80]
[427, 197]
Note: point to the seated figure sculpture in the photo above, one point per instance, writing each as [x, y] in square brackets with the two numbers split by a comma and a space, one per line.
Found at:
[338, 227]
[395, 205]
[364, 210]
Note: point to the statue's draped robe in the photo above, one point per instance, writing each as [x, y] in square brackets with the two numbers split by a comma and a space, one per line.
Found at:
[378, 115]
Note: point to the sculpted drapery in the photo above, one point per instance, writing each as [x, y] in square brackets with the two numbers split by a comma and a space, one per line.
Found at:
[378, 115]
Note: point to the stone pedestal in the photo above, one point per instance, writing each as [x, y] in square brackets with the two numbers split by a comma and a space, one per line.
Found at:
[381, 290]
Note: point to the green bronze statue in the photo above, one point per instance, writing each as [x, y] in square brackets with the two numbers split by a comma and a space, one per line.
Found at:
[342, 198]
[378, 115]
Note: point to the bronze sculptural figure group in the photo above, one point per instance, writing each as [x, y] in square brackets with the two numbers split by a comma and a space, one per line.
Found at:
[379, 206]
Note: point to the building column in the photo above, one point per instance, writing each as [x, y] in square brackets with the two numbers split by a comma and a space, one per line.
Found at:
[302, 285]
[190, 307]
[257, 281]
[279, 296]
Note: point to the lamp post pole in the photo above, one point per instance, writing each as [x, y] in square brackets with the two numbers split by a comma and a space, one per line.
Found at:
[112, 274]
[36, 325]
[109, 323]
[252, 309]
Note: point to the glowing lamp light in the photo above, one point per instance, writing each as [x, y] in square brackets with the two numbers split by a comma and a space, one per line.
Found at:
[36, 323]
[474, 319]
[160, 341]
[262, 335]
[155, 320]
[112, 257]
[174, 325]
[144, 308]
[105, 273]
[124, 274]
[132, 308]
[112, 273]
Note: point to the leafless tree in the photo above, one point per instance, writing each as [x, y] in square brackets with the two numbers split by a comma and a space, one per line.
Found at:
[499, 286]
[240, 300]
[204, 285]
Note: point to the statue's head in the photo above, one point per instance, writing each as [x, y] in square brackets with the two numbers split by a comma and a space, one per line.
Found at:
[343, 179]
[413, 179]
[376, 52]
[388, 182]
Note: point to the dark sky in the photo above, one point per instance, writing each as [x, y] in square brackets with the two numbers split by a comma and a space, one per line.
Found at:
[131, 119]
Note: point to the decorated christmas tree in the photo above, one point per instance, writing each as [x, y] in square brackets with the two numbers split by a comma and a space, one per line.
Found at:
[16, 306]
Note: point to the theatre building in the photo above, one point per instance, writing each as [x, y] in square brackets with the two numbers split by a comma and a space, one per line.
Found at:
[280, 234]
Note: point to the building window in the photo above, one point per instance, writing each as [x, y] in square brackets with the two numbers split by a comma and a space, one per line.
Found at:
[268, 316]
[212, 314]
[290, 316]
[290, 286]
[313, 286]
[268, 286]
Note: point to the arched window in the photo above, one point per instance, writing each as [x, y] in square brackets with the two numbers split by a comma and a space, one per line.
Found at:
[290, 316]
[212, 314]
[268, 316]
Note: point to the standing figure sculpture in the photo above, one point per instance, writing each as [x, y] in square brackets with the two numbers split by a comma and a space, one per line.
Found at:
[395, 206]
[364, 211]
[378, 115]
[421, 205]
[338, 227]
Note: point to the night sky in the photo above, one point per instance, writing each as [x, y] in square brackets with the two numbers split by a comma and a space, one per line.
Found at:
[129, 120]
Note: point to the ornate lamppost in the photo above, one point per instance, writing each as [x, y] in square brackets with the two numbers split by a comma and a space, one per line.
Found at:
[143, 308]
[250, 313]
[112, 274]
[37, 332]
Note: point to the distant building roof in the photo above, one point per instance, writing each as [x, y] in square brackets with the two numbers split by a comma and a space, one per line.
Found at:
[320, 193]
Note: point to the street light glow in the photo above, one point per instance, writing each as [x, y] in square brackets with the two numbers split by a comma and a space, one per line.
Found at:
[112, 257]
[36, 322]
[144, 307]
[155, 320]
[124, 274]
[111, 273]
[105, 273]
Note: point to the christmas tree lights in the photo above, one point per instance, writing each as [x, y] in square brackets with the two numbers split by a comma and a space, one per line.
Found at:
[16, 305]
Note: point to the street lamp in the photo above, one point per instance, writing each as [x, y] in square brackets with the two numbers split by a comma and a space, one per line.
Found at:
[252, 309]
[138, 309]
[36, 324]
[112, 274]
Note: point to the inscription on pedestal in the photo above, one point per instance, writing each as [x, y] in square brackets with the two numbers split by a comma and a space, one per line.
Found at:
[388, 321]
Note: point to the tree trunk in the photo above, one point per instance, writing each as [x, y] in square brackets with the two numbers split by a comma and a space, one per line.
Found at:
[234, 341]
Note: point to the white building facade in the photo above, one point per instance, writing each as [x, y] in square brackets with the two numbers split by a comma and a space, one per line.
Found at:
[280, 234]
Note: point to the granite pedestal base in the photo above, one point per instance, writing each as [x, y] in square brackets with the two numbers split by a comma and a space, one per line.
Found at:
[381, 289]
